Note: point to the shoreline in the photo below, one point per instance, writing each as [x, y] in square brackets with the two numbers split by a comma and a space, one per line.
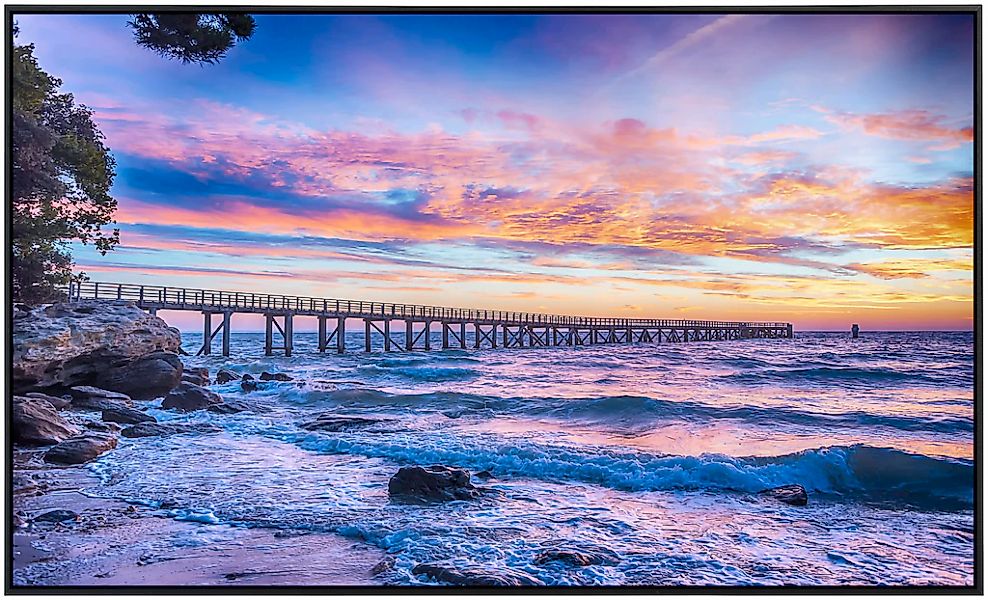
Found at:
[113, 542]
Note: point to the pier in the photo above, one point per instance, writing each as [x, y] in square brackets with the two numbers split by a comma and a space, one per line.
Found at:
[491, 328]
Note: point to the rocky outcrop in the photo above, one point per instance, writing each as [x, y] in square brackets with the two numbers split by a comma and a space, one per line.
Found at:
[265, 376]
[333, 422]
[80, 449]
[196, 375]
[36, 422]
[226, 376]
[88, 397]
[76, 343]
[793, 494]
[59, 515]
[162, 429]
[187, 397]
[126, 416]
[502, 576]
[248, 384]
[436, 483]
[59, 402]
[146, 377]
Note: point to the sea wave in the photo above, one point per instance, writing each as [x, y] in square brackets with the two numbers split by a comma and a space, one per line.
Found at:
[857, 472]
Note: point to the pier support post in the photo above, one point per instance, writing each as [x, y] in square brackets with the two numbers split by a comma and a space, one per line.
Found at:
[789, 330]
[287, 332]
[387, 335]
[268, 335]
[340, 335]
[425, 334]
[152, 311]
[367, 335]
[207, 331]
[409, 340]
[227, 316]
[322, 333]
[463, 336]
[445, 335]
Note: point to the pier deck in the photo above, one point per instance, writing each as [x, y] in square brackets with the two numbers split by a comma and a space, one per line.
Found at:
[491, 328]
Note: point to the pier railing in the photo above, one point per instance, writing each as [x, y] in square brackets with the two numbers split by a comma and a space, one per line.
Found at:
[164, 298]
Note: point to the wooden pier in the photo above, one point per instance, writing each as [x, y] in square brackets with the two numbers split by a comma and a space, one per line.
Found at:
[491, 328]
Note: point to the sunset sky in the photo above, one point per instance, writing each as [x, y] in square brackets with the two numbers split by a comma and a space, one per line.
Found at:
[812, 169]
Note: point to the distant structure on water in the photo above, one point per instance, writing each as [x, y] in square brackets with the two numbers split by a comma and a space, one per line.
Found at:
[516, 329]
[855, 330]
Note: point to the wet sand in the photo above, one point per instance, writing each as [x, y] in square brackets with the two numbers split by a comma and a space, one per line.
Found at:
[116, 543]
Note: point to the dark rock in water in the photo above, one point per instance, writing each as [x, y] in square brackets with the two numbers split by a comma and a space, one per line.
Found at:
[196, 375]
[80, 449]
[248, 377]
[228, 407]
[248, 385]
[56, 516]
[162, 429]
[265, 376]
[102, 427]
[36, 422]
[188, 397]
[144, 378]
[436, 483]
[386, 564]
[226, 376]
[73, 343]
[332, 422]
[485, 474]
[577, 557]
[504, 576]
[793, 494]
[59, 402]
[94, 398]
[127, 416]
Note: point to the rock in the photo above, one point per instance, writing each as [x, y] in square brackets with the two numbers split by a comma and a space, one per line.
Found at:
[485, 474]
[248, 385]
[188, 397]
[71, 343]
[247, 377]
[331, 422]
[80, 449]
[228, 407]
[226, 376]
[577, 557]
[198, 376]
[265, 376]
[437, 483]
[56, 516]
[793, 494]
[162, 429]
[127, 416]
[102, 427]
[59, 402]
[36, 422]
[146, 377]
[94, 398]
[386, 564]
[23, 484]
[504, 576]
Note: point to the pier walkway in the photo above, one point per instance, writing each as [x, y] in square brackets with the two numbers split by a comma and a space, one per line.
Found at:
[491, 328]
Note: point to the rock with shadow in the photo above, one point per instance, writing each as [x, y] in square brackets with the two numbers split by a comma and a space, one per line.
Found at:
[35, 422]
[792, 494]
[81, 448]
[435, 483]
[476, 576]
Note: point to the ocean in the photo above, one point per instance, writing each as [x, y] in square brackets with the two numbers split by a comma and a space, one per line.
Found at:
[653, 454]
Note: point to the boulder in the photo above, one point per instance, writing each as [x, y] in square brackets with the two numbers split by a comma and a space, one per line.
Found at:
[332, 422]
[80, 449]
[188, 397]
[36, 422]
[94, 398]
[146, 377]
[577, 557]
[196, 375]
[149, 429]
[228, 407]
[503, 576]
[248, 385]
[59, 402]
[102, 427]
[436, 483]
[127, 416]
[226, 376]
[71, 343]
[265, 376]
[56, 516]
[793, 494]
